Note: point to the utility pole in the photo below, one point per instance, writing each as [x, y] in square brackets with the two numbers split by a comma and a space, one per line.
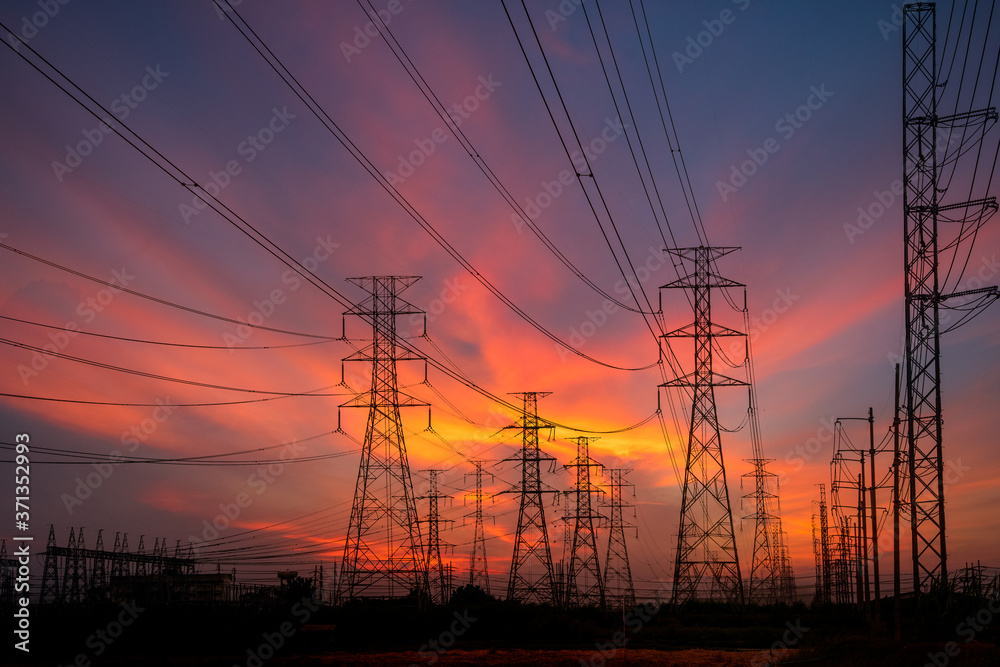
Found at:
[531, 576]
[620, 592]
[707, 564]
[479, 574]
[584, 586]
[384, 554]
[897, 620]
[872, 487]
[863, 545]
[864, 514]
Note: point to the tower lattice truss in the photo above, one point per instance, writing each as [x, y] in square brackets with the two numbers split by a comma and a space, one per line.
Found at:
[707, 566]
[923, 162]
[618, 586]
[384, 555]
[531, 575]
[584, 583]
[479, 574]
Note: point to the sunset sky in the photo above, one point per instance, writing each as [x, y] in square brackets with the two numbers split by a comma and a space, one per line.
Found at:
[811, 91]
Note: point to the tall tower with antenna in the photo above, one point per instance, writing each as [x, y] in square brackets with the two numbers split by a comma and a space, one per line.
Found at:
[531, 576]
[384, 554]
[707, 565]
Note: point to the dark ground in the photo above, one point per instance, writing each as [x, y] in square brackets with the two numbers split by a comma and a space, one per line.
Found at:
[476, 632]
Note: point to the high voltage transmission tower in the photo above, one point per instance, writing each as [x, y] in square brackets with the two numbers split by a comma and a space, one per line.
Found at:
[531, 576]
[77, 588]
[923, 289]
[439, 587]
[479, 574]
[98, 578]
[771, 579]
[584, 585]
[822, 549]
[384, 555]
[618, 587]
[818, 558]
[770, 576]
[50, 572]
[707, 565]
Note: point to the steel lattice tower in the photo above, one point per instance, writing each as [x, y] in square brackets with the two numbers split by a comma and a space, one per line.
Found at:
[584, 585]
[50, 572]
[767, 565]
[384, 554]
[818, 557]
[435, 564]
[923, 372]
[74, 572]
[98, 577]
[141, 566]
[771, 580]
[619, 590]
[823, 583]
[118, 566]
[479, 574]
[923, 295]
[707, 565]
[531, 577]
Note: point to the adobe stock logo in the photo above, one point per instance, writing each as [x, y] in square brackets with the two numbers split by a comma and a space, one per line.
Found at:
[787, 125]
[248, 149]
[30, 25]
[697, 44]
[458, 113]
[122, 106]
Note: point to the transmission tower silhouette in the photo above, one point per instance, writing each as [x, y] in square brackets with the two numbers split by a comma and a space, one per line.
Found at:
[119, 567]
[98, 577]
[771, 580]
[531, 577]
[479, 574]
[50, 572]
[74, 571]
[584, 584]
[619, 590]
[707, 565]
[384, 554]
[140, 567]
[923, 296]
[439, 588]
[821, 548]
